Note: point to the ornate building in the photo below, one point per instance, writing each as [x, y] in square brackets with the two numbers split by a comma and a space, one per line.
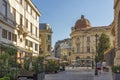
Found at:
[84, 39]
[116, 31]
[19, 26]
[45, 33]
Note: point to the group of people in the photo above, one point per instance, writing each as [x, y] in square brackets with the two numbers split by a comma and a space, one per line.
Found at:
[101, 66]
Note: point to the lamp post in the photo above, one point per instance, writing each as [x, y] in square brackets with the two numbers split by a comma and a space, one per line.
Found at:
[96, 72]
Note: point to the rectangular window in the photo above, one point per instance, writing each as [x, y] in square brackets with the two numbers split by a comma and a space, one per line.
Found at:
[14, 14]
[49, 37]
[26, 23]
[36, 32]
[10, 35]
[4, 33]
[26, 42]
[31, 28]
[31, 44]
[88, 39]
[36, 47]
[78, 48]
[88, 49]
[21, 17]
[15, 37]
[4, 8]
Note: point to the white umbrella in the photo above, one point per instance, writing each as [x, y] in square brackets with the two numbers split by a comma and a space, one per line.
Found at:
[52, 57]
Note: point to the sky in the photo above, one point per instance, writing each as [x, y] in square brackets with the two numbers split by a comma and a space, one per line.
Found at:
[63, 14]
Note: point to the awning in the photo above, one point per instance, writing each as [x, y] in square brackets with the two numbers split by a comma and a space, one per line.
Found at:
[7, 45]
[15, 47]
[52, 58]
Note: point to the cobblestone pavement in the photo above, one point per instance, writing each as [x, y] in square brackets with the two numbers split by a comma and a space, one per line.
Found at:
[78, 74]
[71, 74]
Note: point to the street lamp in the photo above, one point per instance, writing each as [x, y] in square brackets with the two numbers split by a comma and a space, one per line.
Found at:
[96, 72]
[92, 57]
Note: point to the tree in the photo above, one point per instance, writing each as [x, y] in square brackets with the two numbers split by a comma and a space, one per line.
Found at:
[103, 45]
[8, 61]
[4, 67]
[38, 65]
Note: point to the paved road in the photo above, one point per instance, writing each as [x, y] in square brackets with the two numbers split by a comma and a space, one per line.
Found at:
[71, 75]
[78, 74]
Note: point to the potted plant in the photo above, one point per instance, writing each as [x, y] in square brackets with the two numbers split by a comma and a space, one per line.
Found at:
[116, 72]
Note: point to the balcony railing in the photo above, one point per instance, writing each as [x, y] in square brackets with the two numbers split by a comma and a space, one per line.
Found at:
[22, 30]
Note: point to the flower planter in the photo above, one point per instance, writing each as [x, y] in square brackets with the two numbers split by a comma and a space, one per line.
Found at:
[116, 76]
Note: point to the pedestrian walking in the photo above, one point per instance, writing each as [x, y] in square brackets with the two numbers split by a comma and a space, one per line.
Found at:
[104, 65]
[73, 64]
[99, 65]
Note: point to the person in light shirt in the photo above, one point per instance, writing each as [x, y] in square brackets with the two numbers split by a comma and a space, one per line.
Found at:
[104, 65]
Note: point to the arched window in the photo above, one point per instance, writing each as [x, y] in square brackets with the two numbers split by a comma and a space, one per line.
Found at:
[77, 57]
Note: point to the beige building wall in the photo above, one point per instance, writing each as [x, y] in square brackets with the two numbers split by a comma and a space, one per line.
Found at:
[45, 33]
[19, 25]
[116, 31]
[84, 40]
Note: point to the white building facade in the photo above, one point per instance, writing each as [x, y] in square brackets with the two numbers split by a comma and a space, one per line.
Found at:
[19, 25]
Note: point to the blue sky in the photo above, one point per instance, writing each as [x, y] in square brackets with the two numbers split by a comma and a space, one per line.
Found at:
[62, 14]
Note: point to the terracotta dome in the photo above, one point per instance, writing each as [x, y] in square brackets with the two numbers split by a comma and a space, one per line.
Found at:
[82, 23]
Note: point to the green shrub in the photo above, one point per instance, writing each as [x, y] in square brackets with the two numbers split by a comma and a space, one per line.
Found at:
[52, 66]
[116, 69]
[5, 78]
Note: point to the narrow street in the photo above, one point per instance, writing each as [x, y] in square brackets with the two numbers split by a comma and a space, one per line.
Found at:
[78, 74]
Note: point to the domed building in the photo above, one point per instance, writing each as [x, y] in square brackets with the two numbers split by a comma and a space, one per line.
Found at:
[84, 39]
[82, 23]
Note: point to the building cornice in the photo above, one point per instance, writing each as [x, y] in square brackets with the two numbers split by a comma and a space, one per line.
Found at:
[37, 39]
[34, 7]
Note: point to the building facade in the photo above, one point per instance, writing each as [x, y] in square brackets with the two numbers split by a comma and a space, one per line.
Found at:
[63, 49]
[116, 31]
[57, 49]
[45, 33]
[19, 25]
[85, 39]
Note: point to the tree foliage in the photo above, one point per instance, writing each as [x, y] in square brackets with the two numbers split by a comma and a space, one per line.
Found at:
[38, 65]
[7, 62]
[103, 45]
